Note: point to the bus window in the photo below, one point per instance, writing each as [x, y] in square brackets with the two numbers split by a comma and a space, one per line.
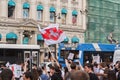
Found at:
[65, 53]
[105, 56]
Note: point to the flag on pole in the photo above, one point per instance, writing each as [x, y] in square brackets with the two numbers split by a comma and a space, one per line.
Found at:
[52, 34]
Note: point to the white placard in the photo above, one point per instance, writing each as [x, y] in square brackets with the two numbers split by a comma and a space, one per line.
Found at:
[71, 56]
[96, 59]
[16, 69]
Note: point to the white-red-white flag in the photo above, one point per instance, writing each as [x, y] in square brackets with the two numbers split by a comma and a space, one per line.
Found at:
[52, 34]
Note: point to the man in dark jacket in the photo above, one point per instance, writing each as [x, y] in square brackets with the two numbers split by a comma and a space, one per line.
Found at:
[89, 69]
[55, 73]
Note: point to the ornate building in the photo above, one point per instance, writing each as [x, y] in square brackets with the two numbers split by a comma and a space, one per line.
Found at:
[19, 19]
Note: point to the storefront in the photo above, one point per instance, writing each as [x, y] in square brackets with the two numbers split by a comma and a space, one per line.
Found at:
[13, 53]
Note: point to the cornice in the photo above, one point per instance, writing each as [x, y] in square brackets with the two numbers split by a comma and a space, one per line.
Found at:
[33, 24]
[18, 23]
[73, 29]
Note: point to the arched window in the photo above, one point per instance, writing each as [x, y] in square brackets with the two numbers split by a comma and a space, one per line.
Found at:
[64, 14]
[52, 14]
[0, 37]
[26, 7]
[40, 12]
[74, 17]
[11, 9]
[11, 38]
[40, 40]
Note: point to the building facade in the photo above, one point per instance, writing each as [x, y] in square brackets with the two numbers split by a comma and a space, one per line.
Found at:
[19, 19]
[103, 19]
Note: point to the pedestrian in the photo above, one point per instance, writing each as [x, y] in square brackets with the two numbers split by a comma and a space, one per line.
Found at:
[79, 75]
[27, 76]
[6, 74]
[89, 69]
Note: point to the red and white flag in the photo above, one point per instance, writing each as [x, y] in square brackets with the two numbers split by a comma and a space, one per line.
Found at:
[52, 34]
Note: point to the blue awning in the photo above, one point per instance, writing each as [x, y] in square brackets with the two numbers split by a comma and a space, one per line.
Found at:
[74, 13]
[11, 35]
[39, 7]
[11, 3]
[52, 9]
[66, 40]
[86, 47]
[64, 11]
[107, 47]
[26, 5]
[39, 37]
[75, 39]
[0, 36]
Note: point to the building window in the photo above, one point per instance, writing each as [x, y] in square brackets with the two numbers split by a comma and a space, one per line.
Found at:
[52, 16]
[25, 13]
[11, 41]
[11, 8]
[11, 11]
[74, 19]
[26, 36]
[63, 18]
[40, 15]
[40, 42]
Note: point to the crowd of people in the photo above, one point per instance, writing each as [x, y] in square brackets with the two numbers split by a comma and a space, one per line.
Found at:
[72, 71]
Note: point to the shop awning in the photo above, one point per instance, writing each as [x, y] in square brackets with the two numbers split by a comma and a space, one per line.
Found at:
[66, 40]
[52, 9]
[39, 37]
[75, 39]
[11, 3]
[26, 5]
[74, 13]
[11, 35]
[39, 7]
[0, 36]
[64, 11]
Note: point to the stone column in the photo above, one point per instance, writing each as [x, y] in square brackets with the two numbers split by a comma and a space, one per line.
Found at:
[35, 38]
[69, 17]
[46, 12]
[19, 9]
[79, 16]
[4, 8]
[32, 38]
[33, 11]
[84, 15]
